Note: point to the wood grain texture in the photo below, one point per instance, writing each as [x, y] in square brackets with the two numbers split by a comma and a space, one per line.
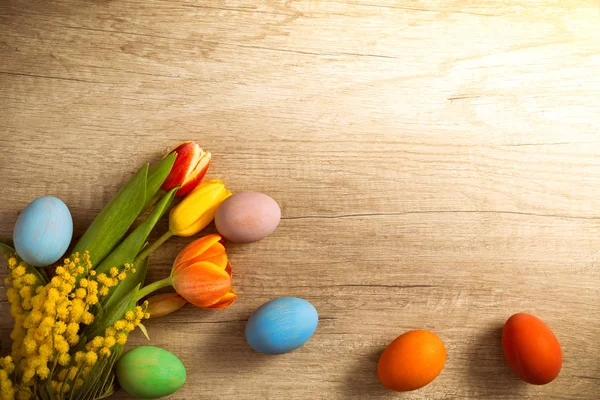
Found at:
[436, 164]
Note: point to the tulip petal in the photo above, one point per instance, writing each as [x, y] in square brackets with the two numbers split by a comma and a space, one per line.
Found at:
[187, 142]
[225, 301]
[216, 255]
[228, 269]
[195, 251]
[202, 283]
[199, 224]
[188, 156]
[198, 208]
[194, 176]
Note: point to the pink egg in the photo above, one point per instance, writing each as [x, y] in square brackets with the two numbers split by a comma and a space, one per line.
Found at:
[247, 217]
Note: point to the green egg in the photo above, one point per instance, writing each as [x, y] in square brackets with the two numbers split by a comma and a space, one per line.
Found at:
[148, 372]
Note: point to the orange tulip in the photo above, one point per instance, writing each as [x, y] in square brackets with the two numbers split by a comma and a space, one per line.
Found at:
[164, 304]
[202, 273]
[190, 167]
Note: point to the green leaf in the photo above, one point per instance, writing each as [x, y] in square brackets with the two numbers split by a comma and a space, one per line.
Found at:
[129, 249]
[40, 276]
[144, 331]
[115, 219]
[157, 175]
[97, 310]
[113, 222]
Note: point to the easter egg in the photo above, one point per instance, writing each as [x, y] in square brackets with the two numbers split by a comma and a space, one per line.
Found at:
[411, 361]
[531, 349]
[281, 325]
[247, 217]
[43, 231]
[148, 372]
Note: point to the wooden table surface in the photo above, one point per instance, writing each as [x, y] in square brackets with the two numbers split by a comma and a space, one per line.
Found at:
[436, 164]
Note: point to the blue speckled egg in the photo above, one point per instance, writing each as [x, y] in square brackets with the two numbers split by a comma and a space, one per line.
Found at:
[43, 231]
[281, 325]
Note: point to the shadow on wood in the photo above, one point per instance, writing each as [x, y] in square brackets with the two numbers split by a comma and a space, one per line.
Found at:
[362, 382]
[487, 368]
[227, 346]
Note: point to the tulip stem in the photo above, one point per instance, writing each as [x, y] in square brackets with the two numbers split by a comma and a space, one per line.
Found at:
[154, 286]
[149, 249]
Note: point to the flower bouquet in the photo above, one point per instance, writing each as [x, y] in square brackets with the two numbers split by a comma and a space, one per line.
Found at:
[72, 316]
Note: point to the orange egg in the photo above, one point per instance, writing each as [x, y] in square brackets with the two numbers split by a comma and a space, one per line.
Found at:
[531, 349]
[411, 361]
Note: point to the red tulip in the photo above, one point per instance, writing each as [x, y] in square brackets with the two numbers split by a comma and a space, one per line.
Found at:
[202, 274]
[190, 167]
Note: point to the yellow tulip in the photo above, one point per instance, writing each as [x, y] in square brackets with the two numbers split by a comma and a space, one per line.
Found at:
[198, 208]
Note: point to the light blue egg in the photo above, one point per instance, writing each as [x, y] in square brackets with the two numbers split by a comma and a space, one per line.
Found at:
[281, 325]
[43, 231]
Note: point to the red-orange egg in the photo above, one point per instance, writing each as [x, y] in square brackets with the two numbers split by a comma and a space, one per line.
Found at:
[411, 361]
[531, 349]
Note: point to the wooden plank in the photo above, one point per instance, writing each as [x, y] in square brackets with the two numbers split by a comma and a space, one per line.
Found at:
[436, 164]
